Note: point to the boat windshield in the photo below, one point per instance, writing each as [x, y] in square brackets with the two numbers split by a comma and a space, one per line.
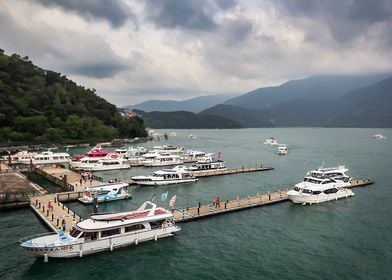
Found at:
[74, 233]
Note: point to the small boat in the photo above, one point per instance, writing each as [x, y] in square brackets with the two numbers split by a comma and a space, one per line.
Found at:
[176, 175]
[282, 149]
[106, 193]
[163, 160]
[173, 134]
[379, 137]
[47, 157]
[271, 141]
[105, 232]
[192, 136]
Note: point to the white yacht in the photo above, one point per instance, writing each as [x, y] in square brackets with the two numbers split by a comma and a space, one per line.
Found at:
[104, 232]
[106, 193]
[282, 149]
[339, 173]
[176, 175]
[168, 149]
[103, 164]
[271, 141]
[206, 164]
[194, 156]
[317, 190]
[163, 160]
[47, 157]
[22, 156]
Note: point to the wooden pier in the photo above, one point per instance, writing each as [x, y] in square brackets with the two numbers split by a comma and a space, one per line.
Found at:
[251, 201]
[219, 172]
[54, 213]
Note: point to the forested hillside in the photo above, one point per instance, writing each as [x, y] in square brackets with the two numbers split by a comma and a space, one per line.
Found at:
[38, 105]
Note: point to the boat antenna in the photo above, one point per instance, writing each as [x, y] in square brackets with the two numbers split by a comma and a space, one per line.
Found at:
[152, 198]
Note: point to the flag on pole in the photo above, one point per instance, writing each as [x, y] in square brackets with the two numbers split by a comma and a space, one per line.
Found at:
[164, 196]
[172, 201]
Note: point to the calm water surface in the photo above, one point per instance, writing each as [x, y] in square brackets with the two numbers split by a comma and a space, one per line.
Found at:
[346, 239]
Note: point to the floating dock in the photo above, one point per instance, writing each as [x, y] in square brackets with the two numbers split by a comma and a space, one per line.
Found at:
[204, 211]
[219, 172]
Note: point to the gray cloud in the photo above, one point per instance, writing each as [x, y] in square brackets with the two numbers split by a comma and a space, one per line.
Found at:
[114, 11]
[226, 4]
[346, 20]
[236, 30]
[192, 14]
[98, 70]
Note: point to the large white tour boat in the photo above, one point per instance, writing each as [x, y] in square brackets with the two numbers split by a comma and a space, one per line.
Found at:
[106, 193]
[206, 164]
[176, 175]
[47, 157]
[163, 160]
[317, 189]
[104, 232]
[109, 163]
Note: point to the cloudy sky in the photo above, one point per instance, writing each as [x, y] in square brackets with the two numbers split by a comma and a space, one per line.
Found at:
[133, 50]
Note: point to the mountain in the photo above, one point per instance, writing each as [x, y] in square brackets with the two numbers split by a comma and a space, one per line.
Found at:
[182, 119]
[38, 105]
[194, 105]
[369, 106]
[313, 89]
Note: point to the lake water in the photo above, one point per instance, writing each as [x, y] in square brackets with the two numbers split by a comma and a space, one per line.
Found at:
[345, 239]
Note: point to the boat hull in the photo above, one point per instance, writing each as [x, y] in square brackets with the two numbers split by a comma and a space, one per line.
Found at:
[300, 198]
[165, 182]
[89, 200]
[106, 244]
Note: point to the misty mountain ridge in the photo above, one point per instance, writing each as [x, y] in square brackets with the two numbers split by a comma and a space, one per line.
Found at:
[194, 105]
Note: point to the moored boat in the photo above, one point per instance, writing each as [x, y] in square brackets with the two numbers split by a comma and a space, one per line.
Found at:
[163, 160]
[47, 157]
[106, 193]
[105, 232]
[104, 164]
[176, 175]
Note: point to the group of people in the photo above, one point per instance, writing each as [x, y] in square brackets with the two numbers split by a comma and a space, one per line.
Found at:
[86, 176]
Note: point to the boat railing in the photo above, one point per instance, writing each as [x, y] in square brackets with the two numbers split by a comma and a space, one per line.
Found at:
[24, 239]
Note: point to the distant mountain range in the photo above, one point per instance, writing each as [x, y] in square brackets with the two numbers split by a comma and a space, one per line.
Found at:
[194, 105]
[327, 101]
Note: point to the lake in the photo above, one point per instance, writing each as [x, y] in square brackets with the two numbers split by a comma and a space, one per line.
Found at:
[345, 239]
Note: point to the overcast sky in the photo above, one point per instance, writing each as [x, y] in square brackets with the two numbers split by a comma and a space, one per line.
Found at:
[133, 50]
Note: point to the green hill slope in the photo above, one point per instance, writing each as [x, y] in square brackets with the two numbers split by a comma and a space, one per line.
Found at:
[37, 105]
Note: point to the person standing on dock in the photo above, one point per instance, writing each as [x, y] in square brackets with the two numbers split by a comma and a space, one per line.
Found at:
[50, 207]
[217, 202]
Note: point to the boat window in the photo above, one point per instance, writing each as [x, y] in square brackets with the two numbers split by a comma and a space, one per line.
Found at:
[74, 233]
[156, 224]
[297, 189]
[316, 192]
[333, 190]
[111, 232]
[90, 235]
[134, 228]
[307, 191]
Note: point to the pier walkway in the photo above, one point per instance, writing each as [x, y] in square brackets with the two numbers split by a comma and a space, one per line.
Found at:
[251, 201]
[219, 172]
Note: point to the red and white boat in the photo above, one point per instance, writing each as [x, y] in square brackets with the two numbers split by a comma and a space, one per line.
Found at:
[105, 232]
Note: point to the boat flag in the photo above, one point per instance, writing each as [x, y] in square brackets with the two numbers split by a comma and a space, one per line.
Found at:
[172, 201]
[164, 196]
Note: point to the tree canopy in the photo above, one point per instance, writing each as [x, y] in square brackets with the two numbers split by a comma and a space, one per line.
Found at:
[38, 105]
